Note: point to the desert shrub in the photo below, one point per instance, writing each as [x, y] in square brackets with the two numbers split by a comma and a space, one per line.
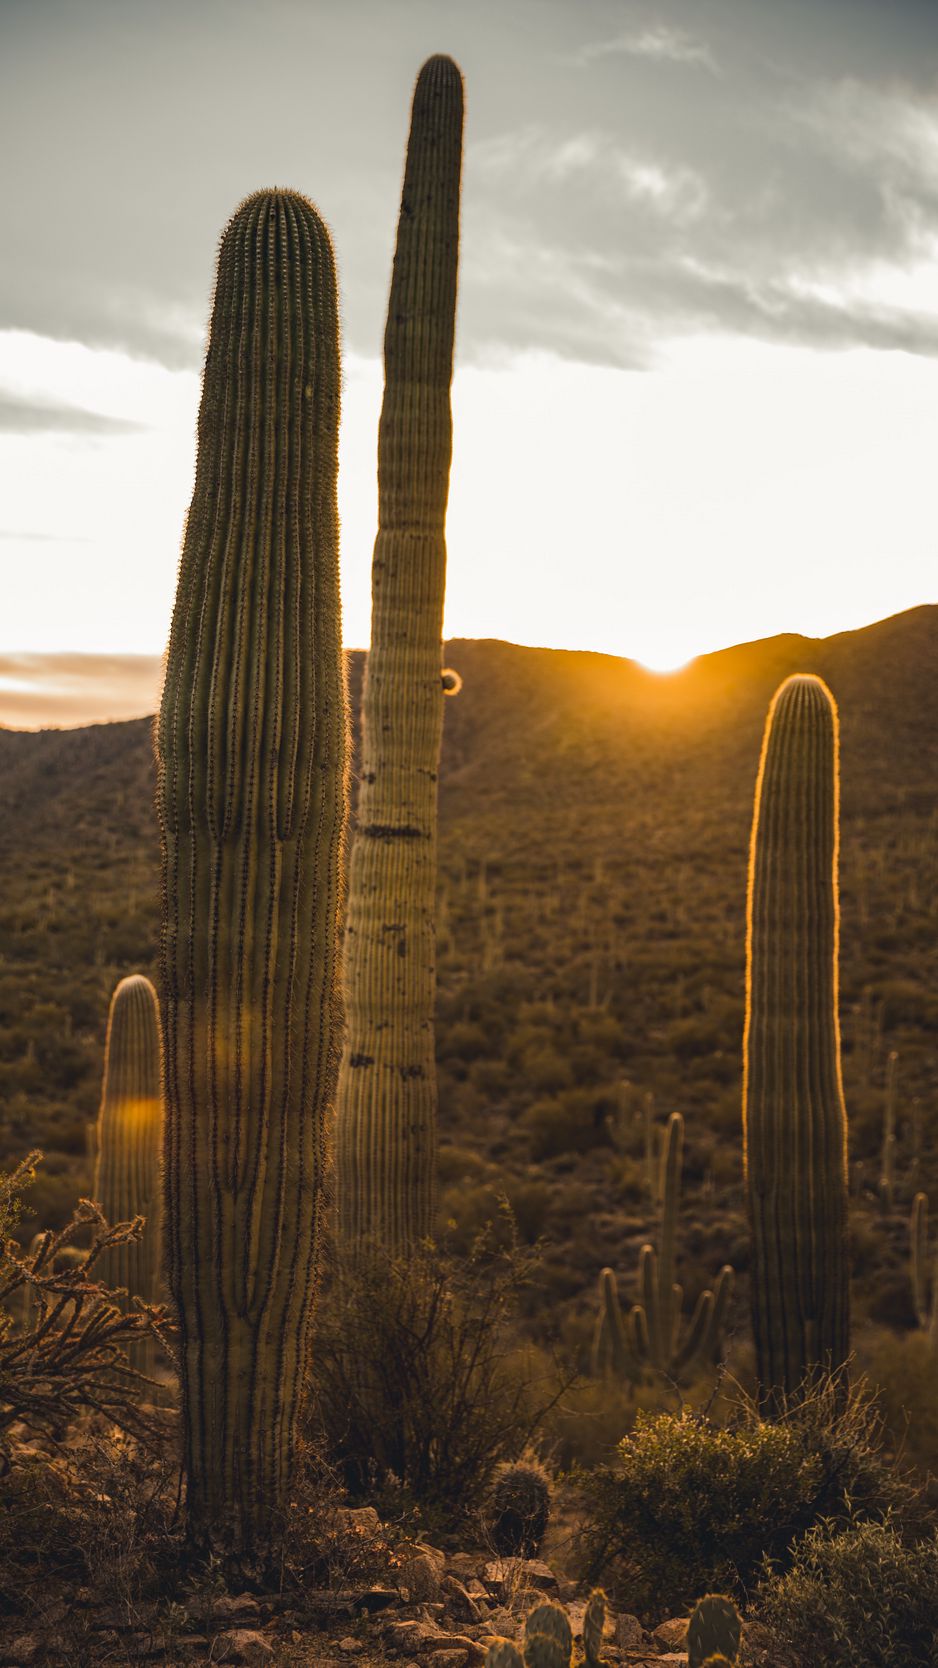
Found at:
[857, 1595]
[692, 1506]
[417, 1388]
[570, 1122]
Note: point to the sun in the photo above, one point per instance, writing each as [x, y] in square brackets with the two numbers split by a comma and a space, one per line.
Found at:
[664, 660]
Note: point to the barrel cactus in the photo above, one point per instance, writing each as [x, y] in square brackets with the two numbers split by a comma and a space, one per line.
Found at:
[519, 1510]
[794, 1119]
[251, 751]
[387, 1087]
[129, 1136]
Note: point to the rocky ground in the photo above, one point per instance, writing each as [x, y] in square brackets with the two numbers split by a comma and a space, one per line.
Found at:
[440, 1610]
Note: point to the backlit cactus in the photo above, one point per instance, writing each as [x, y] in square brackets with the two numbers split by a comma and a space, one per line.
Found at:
[714, 1631]
[520, 1510]
[387, 1090]
[548, 1637]
[594, 1626]
[795, 1124]
[129, 1136]
[251, 745]
[649, 1338]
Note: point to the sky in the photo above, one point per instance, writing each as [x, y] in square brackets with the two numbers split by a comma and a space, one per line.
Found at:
[696, 389]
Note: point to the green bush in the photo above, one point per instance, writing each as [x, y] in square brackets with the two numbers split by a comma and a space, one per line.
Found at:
[862, 1595]
[692, 1506]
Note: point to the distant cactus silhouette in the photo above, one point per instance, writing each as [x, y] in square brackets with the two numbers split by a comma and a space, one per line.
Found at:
[924, 1279]
[648, 1337]
[387, 1087]
[795, 1124]
[251, 746]
[129, 1136]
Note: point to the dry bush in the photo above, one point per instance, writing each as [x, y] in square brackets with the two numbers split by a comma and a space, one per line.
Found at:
[63, 1339]
[417, 1388]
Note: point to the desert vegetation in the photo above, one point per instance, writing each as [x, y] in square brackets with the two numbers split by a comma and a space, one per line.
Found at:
[340, 1384]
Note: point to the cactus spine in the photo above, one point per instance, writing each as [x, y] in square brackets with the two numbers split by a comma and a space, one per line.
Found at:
[387, 1086]
[129, 1135]
[715, 1630]
[251, 746]
[648, 1338]
[794, 1121]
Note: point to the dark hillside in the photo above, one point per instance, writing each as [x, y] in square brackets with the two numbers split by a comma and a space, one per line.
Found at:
[595, 825]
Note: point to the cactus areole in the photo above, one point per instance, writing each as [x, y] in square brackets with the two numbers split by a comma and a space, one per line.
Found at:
[387, 1086]
[795, 1125]
[251, 744]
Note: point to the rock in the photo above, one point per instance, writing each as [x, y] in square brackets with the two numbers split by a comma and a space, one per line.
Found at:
[243, 1645]
[507, 1576]
[672, 1634]
[465, 1565]
[575, 1614]
[422, 1575]
[351, 1647]
[373, 1599]
[425, 1639]
[451, 1658]
[231, 1608]
[363, 1520]
[461, 1602]
[630, 1635]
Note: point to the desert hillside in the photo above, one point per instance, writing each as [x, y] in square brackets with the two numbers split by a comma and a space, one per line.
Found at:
[595, 820]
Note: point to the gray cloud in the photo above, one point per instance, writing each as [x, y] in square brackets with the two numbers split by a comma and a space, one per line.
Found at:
[635, 169]
[39, 691]
[22, 415]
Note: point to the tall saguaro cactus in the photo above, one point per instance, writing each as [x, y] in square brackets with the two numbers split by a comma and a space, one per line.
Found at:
[387, 1085]
[129, 1136]
[794, 1119]
[251, 744]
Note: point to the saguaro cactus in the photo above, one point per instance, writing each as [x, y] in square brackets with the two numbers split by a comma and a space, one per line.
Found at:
[649, 1338]
[387, 1086]
[795, 1125]
[251, 744]
[129, 1135]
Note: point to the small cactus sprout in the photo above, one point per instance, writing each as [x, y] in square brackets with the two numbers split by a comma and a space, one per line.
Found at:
[520, 1510]
[714, 1631]
[502, 1653]
[548, 1637]
[594, 1626]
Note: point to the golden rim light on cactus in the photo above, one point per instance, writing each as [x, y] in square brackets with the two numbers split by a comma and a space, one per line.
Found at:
[387, 1086]
[251, 743]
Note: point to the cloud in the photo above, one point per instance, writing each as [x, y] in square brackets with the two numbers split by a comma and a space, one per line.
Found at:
[41, 691]
[666, 45]
[20, 414]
